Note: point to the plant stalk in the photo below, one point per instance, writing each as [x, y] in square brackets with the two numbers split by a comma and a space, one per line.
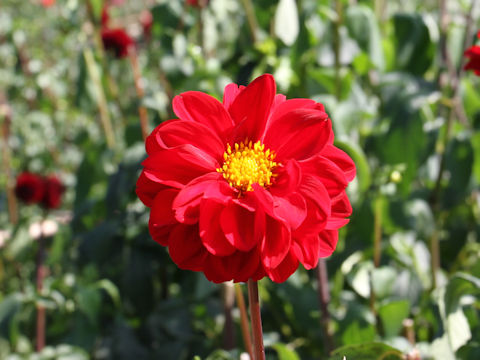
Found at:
[137, 76]
[228, 329]
[247, 337]
[256, 319]
[40, 276]
[324, 300]
[6, 113]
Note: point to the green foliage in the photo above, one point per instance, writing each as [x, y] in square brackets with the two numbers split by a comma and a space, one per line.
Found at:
[111, 292]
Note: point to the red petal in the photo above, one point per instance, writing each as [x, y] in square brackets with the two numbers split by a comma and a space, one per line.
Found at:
[251, 108]
[187, 202]
[276, 244]
[147, 190]
[211, 232]
[328, 242]
[288, 179]
[242, 228]
[307, 251]
[299, 134]
[186, 249]
[341, 208]
[216, 269]
[332, 177]
[291, 208]
[202, 108]
[318, 205]
[208, 186]
[341, 159]
[230, 93]
[178, 166]
[162, 216]
[180, 132]
[286, 268]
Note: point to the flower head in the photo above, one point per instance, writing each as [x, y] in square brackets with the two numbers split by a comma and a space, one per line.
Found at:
[247, 188]
[54, 190]
[473, 53]
[29, 188]
[117, 41]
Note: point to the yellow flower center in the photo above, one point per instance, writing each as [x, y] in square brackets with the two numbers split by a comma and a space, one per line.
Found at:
[246, 164]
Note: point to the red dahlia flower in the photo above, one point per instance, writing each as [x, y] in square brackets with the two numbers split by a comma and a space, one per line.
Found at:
[116, 41]
[54, 190]
[473, 53]
[29, 188]
[248, 188]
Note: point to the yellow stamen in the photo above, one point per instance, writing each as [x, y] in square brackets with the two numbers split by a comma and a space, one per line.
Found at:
[248, 163]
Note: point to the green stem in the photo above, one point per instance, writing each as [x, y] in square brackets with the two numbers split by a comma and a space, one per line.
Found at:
[247, 337]
[251, 18]
[324, 300]
[255, 316]
[336, 48]
[101, 101]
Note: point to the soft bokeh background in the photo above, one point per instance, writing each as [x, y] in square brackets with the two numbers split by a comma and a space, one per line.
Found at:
[406, 272]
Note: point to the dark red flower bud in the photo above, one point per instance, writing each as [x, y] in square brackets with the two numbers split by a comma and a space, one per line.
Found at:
[197, 3]
[54, 190]
[29, 188]
[117, 41]
[105, 16]
[473, 54]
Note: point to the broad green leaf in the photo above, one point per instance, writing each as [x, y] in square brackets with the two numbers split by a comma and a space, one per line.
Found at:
[362, 26]
[415, 47]
[392, 315]
[285, 353]
[111, 290]
[369, 351]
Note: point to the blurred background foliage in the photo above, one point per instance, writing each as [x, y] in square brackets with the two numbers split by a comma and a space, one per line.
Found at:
[405, 278]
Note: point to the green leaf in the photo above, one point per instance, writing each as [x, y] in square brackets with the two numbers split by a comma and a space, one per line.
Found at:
[415, 46]
[285, 353]
[286, 21]
[370, 351]
[459, 285]
[362, 26]
[111, 290]
[392, 315]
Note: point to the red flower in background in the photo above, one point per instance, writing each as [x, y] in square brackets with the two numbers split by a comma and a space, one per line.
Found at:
[197, 3]
[146, 19]
[473, 53]
[105, 18]
[248, 188]
[29, 188]
[48, 3]
[54, 190]
[116, 41]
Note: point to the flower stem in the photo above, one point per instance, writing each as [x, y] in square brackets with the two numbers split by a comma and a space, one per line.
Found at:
[247, 338]
[258, 349]
[40, 275]
[251, 18]
[137, 76]
[324, 299]
[336, 48]
[101, 101]
[228, 302]
[6, 113]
